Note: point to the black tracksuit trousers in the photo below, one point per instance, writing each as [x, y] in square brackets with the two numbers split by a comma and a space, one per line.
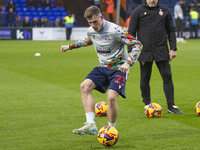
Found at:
[145, 75]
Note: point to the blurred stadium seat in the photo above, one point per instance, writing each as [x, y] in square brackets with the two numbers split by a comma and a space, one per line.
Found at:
[57, 13]
[18, 9]
[49, 13]
[47, 9]
[32, 9]
[24, 9]
[20, 13]
[27, 13]
[61, 9]
[54, 9]
[35, 13]
[64, 14]
[40, 9]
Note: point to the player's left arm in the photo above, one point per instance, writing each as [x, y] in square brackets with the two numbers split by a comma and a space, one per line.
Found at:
[127, 39]
[136, 46]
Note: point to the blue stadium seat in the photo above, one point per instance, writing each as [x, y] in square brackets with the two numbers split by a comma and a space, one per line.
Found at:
[25, 9]
[35, 13]
[54, 9]
[49, 13]
[2, 8]
[61, 9]
[52, 18]
[64, 13]
[47, 9]
[23, 5]
[5, 16]
[18, 5]
[30, 18]
[40, 9]
[41, 13]
[22, 17]
[18, 9]
[59, 17]
[32, 9]
[39, 17]
[57, 14]
[21, 1]
[27, 13]
[20, 13]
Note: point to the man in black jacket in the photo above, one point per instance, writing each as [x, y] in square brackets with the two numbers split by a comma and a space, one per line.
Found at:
[153, 24]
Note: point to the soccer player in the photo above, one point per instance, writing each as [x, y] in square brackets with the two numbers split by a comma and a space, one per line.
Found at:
[114, 63]
[154, 26]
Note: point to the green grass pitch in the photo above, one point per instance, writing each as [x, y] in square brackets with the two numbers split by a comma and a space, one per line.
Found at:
[40, 100]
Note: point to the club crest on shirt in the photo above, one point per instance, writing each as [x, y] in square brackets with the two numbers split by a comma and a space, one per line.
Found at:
[161, 12]
[107, 37]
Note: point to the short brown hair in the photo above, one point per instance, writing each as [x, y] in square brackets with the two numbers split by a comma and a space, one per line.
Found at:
[92, 10]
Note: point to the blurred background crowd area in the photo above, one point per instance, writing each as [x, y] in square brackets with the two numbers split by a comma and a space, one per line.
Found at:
[52, 13]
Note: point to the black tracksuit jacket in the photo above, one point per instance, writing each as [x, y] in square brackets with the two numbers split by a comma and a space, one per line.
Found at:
[153, 26]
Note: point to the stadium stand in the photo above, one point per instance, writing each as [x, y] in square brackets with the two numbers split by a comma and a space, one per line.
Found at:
[53, 12]
[50, 13]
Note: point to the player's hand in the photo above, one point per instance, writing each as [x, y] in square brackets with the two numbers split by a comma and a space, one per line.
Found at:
[138, 47]
[172, 54]
[124, 68]
[64, 48]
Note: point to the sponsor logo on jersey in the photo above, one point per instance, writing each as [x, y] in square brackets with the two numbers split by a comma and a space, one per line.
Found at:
[103, 50]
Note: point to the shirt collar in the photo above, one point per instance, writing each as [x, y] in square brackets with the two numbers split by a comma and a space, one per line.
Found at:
[104, 23]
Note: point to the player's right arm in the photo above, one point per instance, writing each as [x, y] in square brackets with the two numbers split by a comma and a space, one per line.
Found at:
[80, 43]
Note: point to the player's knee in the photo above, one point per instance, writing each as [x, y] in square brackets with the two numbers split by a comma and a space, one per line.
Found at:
[111, 100]
[85, 87]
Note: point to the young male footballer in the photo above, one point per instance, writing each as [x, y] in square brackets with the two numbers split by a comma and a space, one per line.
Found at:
[112, 71]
